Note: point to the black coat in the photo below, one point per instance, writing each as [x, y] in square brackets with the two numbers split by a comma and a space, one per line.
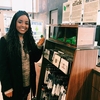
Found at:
[11, 69]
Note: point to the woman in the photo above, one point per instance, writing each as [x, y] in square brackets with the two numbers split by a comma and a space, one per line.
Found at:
[18, 52]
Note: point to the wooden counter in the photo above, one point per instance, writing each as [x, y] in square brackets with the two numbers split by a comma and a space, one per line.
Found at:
[95, 93]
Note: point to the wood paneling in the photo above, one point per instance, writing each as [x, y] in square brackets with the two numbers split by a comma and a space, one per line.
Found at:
[96, 81]
[79, 87]
[95, 93]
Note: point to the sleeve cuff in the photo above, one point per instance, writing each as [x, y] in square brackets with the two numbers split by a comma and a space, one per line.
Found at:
[8, 91]
[39, 47]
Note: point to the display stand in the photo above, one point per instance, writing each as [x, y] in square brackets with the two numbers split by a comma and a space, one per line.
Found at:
[73, 79]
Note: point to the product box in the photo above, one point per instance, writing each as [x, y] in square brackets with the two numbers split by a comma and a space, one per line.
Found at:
[54, 53]
[56, 60]
[86, 36]
[51, 54]
[47, 53]
[64, 65]
[76, 36]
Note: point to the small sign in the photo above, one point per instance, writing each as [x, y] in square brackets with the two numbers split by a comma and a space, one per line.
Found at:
[56, 60]
[64, 65]
[37, 28]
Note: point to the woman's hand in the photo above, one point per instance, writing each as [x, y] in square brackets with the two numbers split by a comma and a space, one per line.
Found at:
[41, 41]
[10, 94]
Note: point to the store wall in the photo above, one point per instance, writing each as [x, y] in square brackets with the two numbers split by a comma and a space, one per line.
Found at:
[56, 4]
[22, 5]
[45, 6]
[5, 3]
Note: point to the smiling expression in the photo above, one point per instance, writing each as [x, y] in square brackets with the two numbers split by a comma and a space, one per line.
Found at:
[22, 24]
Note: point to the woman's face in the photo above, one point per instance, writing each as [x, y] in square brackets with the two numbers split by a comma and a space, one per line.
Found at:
[22, 24]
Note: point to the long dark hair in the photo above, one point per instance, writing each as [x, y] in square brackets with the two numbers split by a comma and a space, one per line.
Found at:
[12, 35]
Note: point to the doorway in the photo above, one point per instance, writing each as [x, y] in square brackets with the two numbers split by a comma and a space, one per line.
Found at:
[54, 16]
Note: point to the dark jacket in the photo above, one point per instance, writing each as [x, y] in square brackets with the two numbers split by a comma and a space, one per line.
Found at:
[11, 69]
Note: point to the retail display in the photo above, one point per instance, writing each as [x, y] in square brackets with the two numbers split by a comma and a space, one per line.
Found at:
[66, 68]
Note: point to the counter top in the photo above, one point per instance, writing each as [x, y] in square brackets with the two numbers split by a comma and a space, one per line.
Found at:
[97, 70]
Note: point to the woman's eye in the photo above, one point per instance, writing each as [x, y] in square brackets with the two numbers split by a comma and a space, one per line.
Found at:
[19, 21]
[27, 23]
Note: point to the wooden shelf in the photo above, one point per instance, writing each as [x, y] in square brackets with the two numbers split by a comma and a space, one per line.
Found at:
[78, 81]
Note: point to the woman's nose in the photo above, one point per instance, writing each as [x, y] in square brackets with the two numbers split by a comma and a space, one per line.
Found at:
[23, 24]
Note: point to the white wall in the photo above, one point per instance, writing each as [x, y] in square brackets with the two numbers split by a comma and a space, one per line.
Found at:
[27, 5]
[22, 5]
[5, 3]
[17, 4]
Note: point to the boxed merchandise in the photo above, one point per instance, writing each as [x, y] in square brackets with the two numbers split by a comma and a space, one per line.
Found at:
[56, 60]
[74, 35]
[64, 65]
